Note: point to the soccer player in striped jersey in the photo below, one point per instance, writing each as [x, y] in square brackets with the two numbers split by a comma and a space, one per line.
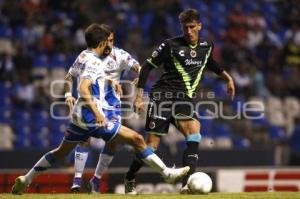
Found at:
[116, 62]
[88, 118]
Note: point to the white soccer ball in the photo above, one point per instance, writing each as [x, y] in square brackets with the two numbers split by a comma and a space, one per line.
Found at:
[199, 183]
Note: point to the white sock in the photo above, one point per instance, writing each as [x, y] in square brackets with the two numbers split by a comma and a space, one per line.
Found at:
[79, 164]
[155, 163]
[42, 165]
[103, 163]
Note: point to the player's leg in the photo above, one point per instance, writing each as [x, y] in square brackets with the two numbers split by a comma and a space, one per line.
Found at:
[73, 136]
[80, 158]
[157, 124]
[153, 141]
[106, 155]
[134, 139]
[191, 131]
[105, 158]
[43, 164]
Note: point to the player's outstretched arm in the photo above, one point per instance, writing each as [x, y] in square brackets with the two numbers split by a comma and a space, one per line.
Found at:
[116, 86]
[84, 91]
[136, 68]
[230, 83]
[139, 98]
[69, 99]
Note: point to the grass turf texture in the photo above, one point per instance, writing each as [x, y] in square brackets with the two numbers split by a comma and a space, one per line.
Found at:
[260, 195]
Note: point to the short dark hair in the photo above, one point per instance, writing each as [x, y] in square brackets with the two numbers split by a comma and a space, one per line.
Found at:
[107, 28]
[189, 15]
[94, 34]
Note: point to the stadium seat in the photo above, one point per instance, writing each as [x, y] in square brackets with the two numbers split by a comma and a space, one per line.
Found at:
[207, 143]
[241, 143]
[40, 60]
[274, 111]
[6, 137]
[42, 138]
[222, 135]
[291, 108]
[5, 31]
[277, 134]
[58, 60]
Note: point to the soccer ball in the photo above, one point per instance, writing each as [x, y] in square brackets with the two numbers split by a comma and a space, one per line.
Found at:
[199, 183]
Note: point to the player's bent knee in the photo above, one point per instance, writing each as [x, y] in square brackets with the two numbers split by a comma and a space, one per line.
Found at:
[139, 141]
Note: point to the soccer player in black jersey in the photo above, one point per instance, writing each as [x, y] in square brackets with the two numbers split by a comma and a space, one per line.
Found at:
[184, 59]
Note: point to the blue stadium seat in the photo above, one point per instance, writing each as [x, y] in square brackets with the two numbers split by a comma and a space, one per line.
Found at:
[277, 133]
[42, 138]
[5, 31]
[40, 60]
[56, 139]
[241, 143]
[18, 32]
[58, 60]
[222, 130]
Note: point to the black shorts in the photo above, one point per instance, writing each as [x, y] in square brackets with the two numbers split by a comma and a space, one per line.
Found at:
[162, 113]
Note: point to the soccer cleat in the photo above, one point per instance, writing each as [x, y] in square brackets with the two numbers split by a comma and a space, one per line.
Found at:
[173, 175]
[130, 187]
[75, 188]
[76, 185]
[93, 185]
[19, 186]
[185, 190]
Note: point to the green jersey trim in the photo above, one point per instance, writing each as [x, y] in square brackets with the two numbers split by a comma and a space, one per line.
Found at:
[186, 77]
[150, 62]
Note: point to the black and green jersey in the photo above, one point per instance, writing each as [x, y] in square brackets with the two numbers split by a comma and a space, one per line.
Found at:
[183, 66]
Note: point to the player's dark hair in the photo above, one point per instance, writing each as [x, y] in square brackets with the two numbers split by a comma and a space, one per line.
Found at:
[94, 34]
[189, 15]
[107, 28]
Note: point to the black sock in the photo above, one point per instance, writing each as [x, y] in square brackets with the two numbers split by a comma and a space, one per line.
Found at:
[190, 158]
[135, 166]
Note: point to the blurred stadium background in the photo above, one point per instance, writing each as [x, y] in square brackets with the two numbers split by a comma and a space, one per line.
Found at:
[257, 41]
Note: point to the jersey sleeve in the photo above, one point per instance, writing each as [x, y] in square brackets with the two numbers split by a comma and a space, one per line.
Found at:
[212, 64]
[159, 54]
[93, 70]
[127, 61]
[73, 70]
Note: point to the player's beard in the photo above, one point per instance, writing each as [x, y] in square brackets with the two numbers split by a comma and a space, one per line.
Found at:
[107, 51]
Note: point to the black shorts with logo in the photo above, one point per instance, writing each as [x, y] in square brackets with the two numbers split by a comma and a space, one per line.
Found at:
[163, 112]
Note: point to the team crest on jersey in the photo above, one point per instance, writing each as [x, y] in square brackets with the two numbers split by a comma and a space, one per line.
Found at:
[110, 65]
[154, 54]
[152, 125]
[193, 53]
[110, 126]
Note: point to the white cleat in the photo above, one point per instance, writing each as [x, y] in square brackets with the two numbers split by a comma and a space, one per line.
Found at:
[19, 186]
[173, 175]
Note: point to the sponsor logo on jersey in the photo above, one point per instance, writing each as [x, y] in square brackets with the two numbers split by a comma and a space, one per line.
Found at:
[181, 53]
[192, 62]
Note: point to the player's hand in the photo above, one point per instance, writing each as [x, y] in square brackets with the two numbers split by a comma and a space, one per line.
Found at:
[70, 101]
[135, 81]
[231, 89]
[139, 105]
[117, 87]
[100, 120]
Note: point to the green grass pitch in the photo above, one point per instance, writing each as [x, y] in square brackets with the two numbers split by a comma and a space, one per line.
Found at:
[260, 195]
